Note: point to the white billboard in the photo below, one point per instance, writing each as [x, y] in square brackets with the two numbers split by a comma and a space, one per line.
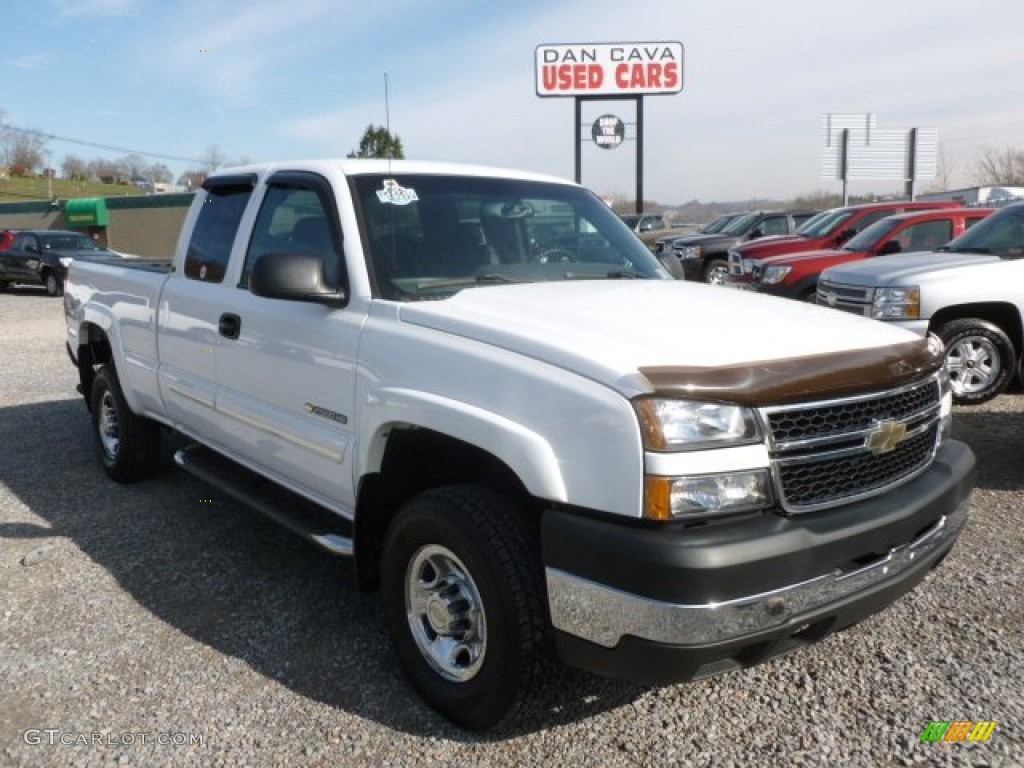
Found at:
[876, 153]
[609, 69]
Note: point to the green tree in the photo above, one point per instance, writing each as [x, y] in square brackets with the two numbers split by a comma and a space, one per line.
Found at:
[377, 141]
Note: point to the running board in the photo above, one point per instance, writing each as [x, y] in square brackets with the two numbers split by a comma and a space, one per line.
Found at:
[298, 514]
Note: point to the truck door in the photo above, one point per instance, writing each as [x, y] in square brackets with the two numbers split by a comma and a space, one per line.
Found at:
[191, 305]
[286, 369]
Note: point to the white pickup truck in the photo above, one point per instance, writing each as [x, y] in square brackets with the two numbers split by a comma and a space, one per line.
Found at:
[481, 385]
[969, 293]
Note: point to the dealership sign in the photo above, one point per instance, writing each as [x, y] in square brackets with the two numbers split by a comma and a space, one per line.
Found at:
[609, 69]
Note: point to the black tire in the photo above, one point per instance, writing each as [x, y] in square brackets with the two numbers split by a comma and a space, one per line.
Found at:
[716, 272]
[128, 445]
[54, 285]
[467, 544]
[980, 359]
[4, 285]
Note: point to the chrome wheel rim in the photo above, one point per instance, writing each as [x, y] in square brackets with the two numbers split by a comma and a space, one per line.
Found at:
[716, 275]
[51, 284]
[445, 613]
[974, 364]
[107, 425]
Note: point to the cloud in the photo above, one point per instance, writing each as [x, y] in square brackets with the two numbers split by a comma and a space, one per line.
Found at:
[34, 60]
[75, 8]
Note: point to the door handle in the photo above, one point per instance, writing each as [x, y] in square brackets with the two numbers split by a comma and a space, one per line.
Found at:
[230, 325]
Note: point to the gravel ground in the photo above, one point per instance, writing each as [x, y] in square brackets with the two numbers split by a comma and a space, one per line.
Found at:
[164, 612]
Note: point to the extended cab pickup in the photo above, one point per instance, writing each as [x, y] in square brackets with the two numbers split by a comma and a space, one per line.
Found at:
[473, 382]
[795, 276]
[830, 229]
[970, 293]
[704, 256]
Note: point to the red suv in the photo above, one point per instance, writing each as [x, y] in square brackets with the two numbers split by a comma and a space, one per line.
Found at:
[795, 275]
[829, 230]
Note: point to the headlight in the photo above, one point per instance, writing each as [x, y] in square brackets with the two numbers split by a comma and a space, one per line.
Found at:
[689, 252]
[65, 261]
[703, 496]
[775, 273]
[682, 425]
[897, 303]
[748, 266]
[945, 395]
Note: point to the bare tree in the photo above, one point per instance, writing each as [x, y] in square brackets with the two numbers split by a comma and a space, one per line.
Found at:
[999, 167]
[22, 150]
[212, 158]
[74, 167]
[158, 173]
[945, 169]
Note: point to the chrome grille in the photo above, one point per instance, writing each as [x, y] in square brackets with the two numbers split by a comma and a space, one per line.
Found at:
[821, 454]
[849, 298]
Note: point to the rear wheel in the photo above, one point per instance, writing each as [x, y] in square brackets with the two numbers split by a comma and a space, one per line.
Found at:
[129, 445]
[716, 272]
[980, 359]
[462, 586]
[54, 285]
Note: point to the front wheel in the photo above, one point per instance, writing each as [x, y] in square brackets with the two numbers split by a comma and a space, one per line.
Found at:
[980, 359]
[129, 445]
[462, 587]
[716, 272]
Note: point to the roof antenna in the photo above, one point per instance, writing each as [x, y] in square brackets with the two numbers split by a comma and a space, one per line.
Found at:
[387, 121]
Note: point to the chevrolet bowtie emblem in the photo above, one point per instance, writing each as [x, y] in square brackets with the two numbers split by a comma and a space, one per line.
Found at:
[886, 436]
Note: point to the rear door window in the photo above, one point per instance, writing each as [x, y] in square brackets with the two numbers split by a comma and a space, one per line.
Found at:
[216, 227]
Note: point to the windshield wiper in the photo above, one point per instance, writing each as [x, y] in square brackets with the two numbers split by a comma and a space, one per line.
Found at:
[615, 274]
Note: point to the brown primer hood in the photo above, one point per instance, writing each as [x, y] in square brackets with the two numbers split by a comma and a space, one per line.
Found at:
[815, 377]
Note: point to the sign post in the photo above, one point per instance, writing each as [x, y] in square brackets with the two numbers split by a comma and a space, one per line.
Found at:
[608, 72]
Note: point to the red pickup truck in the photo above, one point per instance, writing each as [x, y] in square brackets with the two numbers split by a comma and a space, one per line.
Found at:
[830, 231]
[795, 275]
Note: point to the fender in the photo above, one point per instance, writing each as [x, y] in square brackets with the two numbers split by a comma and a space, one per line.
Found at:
[528, 454]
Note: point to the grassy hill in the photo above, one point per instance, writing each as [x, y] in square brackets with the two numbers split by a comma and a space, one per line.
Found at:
[19, 189]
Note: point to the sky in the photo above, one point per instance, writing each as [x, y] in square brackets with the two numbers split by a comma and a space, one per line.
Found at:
[293, 79]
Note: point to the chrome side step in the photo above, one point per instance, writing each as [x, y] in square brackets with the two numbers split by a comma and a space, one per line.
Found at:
[298, 514]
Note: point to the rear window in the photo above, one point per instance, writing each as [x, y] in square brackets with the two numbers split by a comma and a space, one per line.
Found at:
[214, 231]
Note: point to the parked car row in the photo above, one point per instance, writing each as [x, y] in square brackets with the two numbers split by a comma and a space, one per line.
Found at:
[704, 256]
[41, 257]
[795, 275]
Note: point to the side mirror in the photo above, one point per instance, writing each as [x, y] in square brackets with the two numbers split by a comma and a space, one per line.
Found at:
[293, 277]
[756, 234]
[893, 246]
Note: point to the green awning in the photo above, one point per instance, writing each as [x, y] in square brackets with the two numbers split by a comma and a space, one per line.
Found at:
[86, 212]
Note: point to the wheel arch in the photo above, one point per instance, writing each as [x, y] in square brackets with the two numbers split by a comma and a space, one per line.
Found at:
[406, 459]
[1003, 314]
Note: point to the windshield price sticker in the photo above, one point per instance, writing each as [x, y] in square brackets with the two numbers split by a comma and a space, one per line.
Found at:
[395, 194]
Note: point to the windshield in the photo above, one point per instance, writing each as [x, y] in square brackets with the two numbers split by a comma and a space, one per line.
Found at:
[741, 225]
[1001, 234]
[429, 236]
[718, 224]
[829, 223]
[811, 223]
[69, 242]
[630, 220]
[872, 236]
